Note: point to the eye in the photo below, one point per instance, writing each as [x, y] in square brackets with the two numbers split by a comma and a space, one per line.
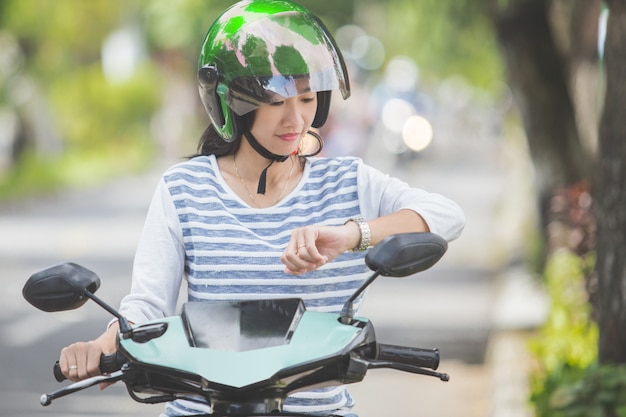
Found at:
[277, 103]
[308, 99]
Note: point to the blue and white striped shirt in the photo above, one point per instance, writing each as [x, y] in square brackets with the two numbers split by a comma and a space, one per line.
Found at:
[233, 251]
[198, 229]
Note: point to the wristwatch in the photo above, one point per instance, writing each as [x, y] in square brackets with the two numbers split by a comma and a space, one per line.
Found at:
[366, 234]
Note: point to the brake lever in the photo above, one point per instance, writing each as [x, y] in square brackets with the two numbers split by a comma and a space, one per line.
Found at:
[46, 399]
[376, 364]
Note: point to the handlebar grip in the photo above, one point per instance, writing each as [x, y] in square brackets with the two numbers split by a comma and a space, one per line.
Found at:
[425, 358]
[111, 362]
[108, 364]
[58, 375]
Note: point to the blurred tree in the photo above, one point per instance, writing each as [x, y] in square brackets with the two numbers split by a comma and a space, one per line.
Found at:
[70, 110]
[551, 50]
[610, 195]
[540, 73]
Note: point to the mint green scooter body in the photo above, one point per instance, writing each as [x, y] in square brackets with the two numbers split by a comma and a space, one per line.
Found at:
[315, 339]
[243, 358]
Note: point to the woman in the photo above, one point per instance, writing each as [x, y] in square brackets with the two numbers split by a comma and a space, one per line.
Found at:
[255, 214]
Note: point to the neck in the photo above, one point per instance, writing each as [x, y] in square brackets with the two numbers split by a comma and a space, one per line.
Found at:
[264, 153]
[276, 190]
[250, 168]
[251, 164]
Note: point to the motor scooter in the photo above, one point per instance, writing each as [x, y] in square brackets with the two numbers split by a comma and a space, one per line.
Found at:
[244, 357]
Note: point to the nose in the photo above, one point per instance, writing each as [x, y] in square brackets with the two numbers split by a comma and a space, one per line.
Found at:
[293, 116]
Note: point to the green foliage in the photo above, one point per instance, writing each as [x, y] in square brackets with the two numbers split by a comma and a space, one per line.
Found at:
[568, 382]
[60, 35]
[597, 391]
[445, 39]
[93, 113]
[103, 127]
[568, 336]
[74, 168]
[182, 26]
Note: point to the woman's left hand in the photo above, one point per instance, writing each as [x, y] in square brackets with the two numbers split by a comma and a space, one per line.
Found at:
[313, 246]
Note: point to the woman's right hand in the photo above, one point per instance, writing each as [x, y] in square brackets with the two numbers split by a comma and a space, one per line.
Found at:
[81, 360]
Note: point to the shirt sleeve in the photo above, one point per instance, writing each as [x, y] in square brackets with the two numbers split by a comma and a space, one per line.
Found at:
[381, 194]
[159, 262]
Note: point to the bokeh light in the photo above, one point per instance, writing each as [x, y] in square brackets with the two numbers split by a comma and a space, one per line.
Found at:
[417, 133]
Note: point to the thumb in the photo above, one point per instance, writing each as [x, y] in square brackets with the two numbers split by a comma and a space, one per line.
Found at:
[105, 385]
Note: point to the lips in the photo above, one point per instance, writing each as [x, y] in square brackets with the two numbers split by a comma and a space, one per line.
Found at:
[290, 137]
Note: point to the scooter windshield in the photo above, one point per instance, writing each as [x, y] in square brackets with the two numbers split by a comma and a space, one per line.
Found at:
[241, 325]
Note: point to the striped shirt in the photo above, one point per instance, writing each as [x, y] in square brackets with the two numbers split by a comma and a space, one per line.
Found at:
[199, 230]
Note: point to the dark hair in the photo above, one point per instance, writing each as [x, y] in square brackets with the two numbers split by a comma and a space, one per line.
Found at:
[211, 143]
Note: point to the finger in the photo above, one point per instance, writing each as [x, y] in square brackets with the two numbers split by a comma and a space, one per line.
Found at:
[63, 364]
[71, 368]
[309, 267]
[306, 259]
[310, 254]
[66, 360]
[300, 239]
[293, 262]
[80, 362]
[301, 247]
[307, 253]
[295, 271]
[92, 365]
[301, 267]
[104, 385]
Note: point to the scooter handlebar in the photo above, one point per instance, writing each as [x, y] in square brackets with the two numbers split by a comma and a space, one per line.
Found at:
[108, 364]
[424, 358]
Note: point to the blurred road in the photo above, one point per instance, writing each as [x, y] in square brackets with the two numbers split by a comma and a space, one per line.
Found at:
[97, 228]
[465, 305]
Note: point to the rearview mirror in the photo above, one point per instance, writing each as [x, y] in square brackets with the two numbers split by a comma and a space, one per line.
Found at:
[405, 254]
[398, 255]
[60, 287]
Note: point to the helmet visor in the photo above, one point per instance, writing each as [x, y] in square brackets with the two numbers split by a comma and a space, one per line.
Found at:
[248, 93]
[269, 58]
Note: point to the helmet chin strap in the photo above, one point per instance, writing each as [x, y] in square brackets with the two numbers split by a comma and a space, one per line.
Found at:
[265, 154]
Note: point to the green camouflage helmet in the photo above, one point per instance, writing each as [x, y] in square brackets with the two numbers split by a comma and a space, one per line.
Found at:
[262, 51]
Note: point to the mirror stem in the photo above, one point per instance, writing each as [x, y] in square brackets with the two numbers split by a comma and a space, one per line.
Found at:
[125, 328]
[347, 312]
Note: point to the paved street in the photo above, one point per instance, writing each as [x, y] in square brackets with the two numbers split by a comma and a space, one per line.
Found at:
[452, 306]
[97, 228]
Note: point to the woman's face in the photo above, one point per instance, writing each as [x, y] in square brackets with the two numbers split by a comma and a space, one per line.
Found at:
[280, 126]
